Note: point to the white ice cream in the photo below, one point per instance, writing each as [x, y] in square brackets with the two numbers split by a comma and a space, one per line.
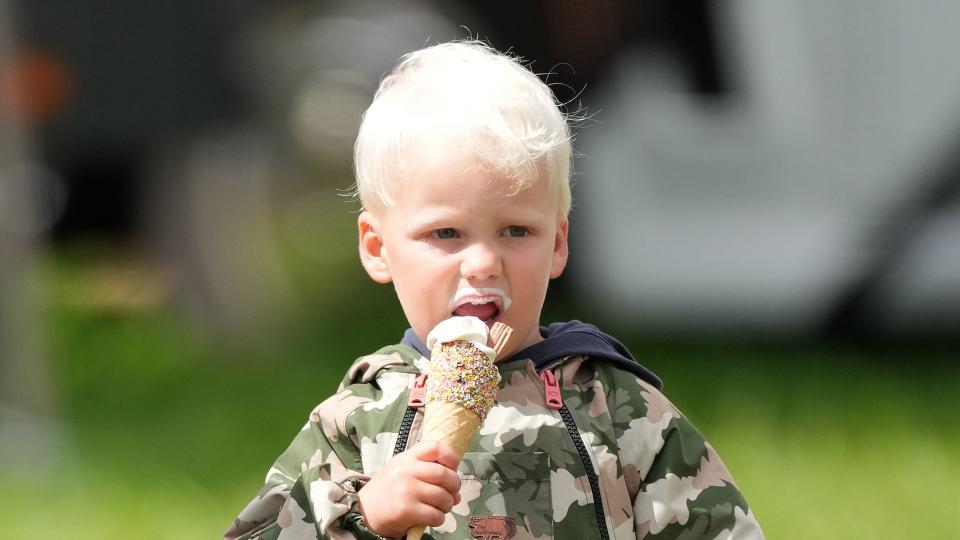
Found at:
[469, 329]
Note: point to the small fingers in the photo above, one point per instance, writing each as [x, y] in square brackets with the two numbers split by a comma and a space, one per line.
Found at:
[436, 452]
[437, 497]
[447, 456]
[438, 475]
[391, 516]
[426, 450]
[428, 515]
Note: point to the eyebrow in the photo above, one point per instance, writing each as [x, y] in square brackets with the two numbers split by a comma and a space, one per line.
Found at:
[429, 219]
[439, 218]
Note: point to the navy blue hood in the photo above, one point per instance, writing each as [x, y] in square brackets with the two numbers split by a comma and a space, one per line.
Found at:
[566, 339]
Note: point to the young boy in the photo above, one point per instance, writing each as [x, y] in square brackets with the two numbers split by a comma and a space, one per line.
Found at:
[462, 164]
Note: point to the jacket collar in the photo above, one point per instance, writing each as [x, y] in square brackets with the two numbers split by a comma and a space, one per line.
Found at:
[562, 340]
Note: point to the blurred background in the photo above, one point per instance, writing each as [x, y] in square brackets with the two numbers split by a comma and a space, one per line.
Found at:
[766, 212]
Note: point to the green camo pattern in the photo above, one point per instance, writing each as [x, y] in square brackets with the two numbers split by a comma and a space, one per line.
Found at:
[658, 477]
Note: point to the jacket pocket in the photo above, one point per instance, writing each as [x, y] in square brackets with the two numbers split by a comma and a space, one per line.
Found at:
[502, 496]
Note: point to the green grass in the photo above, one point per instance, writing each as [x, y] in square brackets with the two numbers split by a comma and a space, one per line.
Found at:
[831, 442]
[167, 433]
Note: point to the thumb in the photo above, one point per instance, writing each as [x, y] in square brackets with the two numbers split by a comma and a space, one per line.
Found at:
[437, 452]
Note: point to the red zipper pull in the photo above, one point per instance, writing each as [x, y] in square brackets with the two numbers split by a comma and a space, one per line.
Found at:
[554, 401]
[418, 394]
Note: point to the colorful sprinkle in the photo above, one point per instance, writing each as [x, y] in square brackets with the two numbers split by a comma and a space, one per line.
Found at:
[463, 375]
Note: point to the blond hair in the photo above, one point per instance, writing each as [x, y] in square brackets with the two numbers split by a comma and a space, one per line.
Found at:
[467, 94]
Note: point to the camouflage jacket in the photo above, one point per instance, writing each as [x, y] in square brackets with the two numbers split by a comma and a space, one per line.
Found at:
[611, 458]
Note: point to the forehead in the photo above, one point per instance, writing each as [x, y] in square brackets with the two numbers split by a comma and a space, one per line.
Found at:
[447, 174]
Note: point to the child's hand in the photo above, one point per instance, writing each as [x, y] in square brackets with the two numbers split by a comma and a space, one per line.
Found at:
[416, 487]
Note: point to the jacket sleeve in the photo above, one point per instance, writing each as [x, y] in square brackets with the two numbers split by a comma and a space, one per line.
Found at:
[310, 492]
[682, 488]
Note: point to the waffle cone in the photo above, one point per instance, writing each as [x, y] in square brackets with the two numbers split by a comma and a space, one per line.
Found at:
[448, 422]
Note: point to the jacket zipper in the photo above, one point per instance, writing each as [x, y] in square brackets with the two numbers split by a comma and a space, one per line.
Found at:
[554, 401]
[405, 426]
[416, 400]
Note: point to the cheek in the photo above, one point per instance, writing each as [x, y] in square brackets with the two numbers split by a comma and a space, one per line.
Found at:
[537, 267]
[427, 280]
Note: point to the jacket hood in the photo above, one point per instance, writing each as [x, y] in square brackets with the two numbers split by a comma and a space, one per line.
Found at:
[564, 339]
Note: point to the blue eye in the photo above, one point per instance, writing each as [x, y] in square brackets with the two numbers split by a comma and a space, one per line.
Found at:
[516, 231]
[445, 234]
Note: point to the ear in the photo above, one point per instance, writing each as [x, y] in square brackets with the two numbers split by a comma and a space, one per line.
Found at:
[372, 250]
[560, 248]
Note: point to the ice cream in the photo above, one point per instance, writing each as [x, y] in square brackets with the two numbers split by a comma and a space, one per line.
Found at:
[461, 385]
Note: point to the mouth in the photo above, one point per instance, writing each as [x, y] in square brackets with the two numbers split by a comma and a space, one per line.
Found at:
[487, 306]
[487, 312]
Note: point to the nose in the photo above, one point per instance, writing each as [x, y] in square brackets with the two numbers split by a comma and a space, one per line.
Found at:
[480, 261]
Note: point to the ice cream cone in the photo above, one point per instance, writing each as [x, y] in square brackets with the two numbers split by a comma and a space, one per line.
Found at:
[461, 386]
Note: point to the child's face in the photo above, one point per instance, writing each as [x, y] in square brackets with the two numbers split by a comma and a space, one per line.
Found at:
[456, 243]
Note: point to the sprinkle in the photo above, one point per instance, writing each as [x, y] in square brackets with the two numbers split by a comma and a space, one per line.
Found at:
[463, 375]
